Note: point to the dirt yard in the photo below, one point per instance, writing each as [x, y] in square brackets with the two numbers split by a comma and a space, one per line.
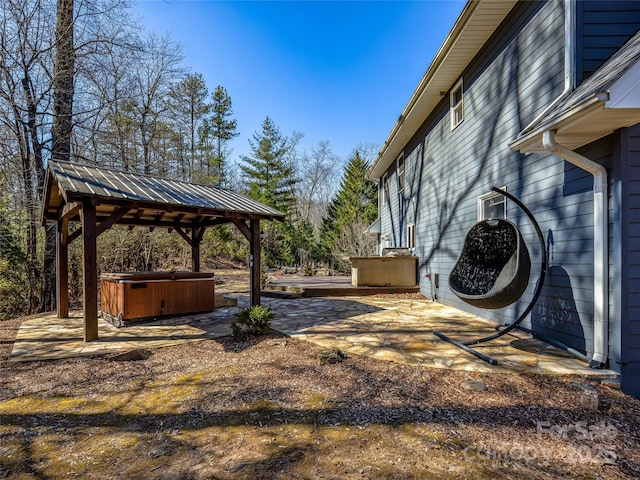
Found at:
[267, 408]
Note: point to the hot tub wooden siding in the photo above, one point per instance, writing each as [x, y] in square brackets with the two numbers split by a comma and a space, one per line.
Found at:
[384, 271]
[130, 297]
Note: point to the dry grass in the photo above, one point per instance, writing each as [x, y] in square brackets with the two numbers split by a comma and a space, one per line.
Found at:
[267, 409]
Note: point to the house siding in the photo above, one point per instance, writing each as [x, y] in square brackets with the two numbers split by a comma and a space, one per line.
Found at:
[603, 27]
[517, 74]
[624, 329]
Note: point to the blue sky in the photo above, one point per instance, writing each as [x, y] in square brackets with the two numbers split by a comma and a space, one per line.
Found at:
[335, 71]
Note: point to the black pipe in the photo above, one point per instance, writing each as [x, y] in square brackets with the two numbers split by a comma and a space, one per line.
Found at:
[556, 343]
[481, 356]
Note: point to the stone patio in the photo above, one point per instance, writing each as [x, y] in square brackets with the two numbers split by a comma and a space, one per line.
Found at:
[386, 328]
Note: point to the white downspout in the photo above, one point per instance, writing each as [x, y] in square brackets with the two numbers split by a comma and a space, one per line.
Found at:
[600, 244]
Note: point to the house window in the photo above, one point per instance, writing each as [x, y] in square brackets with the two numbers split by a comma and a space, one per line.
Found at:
[492, 205]
[400, 170]
[411, 235]
[385, 188]
[457, 105]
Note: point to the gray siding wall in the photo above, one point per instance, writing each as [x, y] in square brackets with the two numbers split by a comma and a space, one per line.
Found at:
[603, 27]
[512, 80]
[624, 215]
[631, 231]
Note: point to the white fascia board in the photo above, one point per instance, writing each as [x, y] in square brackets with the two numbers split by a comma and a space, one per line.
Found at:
[594, 118]
[625, 92]
[478, 19]
[532, 142]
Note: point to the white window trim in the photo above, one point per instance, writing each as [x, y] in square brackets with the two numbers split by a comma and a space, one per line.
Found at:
[487, 196]
[385, 189]
[400, 160]
[411, 236]
[453, 107]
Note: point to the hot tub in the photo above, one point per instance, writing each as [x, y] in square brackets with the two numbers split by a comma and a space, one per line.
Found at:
[131, 297]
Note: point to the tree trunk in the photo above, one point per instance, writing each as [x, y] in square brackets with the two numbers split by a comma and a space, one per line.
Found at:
[60, 132]
[33, 270]
[63, 83]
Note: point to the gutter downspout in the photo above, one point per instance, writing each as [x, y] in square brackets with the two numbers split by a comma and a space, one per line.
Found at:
[600, 244]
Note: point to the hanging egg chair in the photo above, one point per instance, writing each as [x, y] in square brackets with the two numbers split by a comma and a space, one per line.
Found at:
[493, 268]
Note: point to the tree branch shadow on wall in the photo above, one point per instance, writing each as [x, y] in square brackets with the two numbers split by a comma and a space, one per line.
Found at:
[452, 191]
[555, 314]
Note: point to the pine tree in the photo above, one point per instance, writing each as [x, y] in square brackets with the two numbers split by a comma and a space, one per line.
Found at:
[221, 128]
[270, 179]
[188, 104]
[268, 175]
[353, 209]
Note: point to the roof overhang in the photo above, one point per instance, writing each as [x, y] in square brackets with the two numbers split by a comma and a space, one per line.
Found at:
[375, 227]
[475, 25]
[592, 118]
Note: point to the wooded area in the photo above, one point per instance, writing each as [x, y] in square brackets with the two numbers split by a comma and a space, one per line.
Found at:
[83, 81]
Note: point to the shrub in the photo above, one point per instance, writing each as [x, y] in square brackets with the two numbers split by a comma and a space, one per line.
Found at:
[14, 287]
[265, 278]
[251, 321]
[13, 291]
[308, 270]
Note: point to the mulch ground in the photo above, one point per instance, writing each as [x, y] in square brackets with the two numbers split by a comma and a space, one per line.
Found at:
[268, 408]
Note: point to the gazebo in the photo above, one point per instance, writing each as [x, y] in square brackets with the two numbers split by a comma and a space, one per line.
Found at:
[99, 198]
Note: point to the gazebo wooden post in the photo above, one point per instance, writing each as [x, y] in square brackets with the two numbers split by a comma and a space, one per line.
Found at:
[252, 234]
[89, 270]
[254, 246]
[195, 250]
[196, 239]
[62, 277]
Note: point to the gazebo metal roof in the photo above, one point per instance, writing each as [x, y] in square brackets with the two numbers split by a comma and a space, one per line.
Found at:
[152, 201]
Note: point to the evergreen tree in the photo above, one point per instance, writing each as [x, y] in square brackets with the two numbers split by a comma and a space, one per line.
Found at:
[13, 262]
[353, 209]
[188, 104]
[270, 179]
[268, 175]
[220, 128]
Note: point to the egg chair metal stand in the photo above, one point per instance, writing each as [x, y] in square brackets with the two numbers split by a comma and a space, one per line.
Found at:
[493, 271]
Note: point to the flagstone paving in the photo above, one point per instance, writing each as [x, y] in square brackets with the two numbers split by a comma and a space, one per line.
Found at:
[47, 337]
[391, 329]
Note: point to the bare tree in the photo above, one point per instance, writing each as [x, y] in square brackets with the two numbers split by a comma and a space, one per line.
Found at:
[61, 129]
[319, 174]
[104, 123]
[351, 241]
[42, 49]
[158, 67]
[26, 43]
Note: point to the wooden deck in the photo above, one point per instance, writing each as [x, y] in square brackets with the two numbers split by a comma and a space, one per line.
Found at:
[326, 286]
